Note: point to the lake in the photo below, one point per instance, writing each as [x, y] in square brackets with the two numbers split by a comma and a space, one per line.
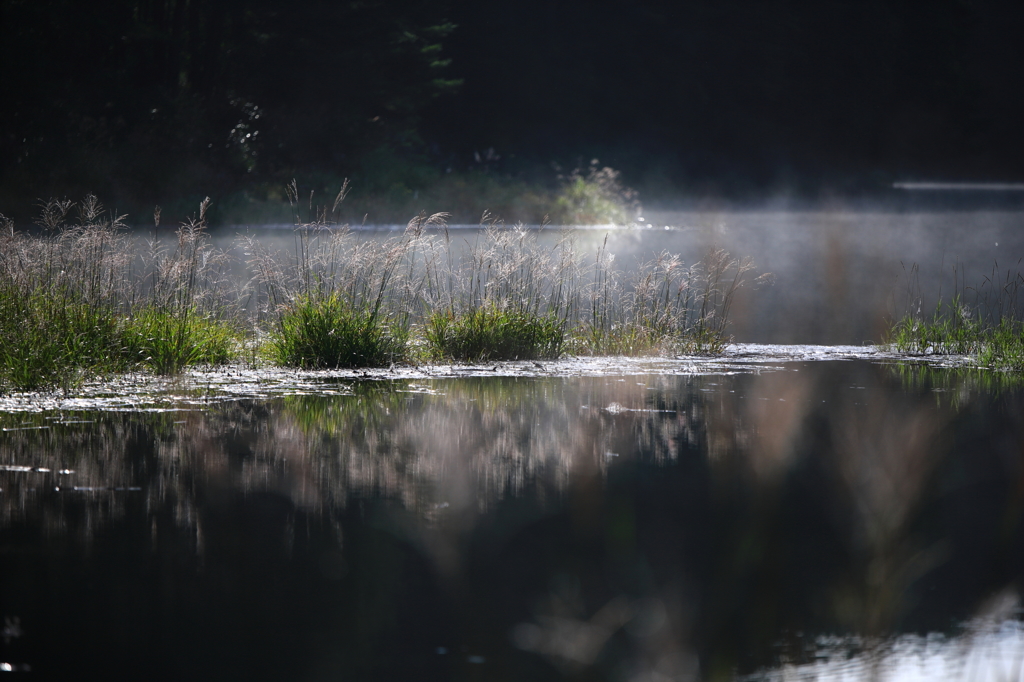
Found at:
[645, 519]
[777, 512]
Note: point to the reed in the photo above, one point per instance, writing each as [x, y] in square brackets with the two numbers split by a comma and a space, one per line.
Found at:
[58, 297]
[661, 306]
[74, 302]
[985, 322]
[505, 299]
[81, 297]
[182, 318]
[340, 302]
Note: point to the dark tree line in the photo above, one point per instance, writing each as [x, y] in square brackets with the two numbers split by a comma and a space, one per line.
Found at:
[149, 97]
[749, 93]
[151, 94]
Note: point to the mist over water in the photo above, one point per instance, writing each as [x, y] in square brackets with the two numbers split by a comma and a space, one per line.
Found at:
[825, 513]
[840, 276]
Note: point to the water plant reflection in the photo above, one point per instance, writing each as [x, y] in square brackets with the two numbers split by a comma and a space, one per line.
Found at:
[682, 524]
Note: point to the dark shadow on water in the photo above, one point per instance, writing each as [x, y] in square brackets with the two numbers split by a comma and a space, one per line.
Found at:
[611, 527]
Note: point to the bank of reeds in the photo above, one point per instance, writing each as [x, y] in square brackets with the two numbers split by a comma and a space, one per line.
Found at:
[81, 296]
[504, 299]
[983, 321]
[73, 302]
[510, 299]
[662, 305]
[336, 301]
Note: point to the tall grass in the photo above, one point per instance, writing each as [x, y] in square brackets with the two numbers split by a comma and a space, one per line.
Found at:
[186, 316]
[340, 302]
[984, 321]
[81, 296]
[58, 297]
[73, 302]
[509, 299]
[662, 305]
[506, 298]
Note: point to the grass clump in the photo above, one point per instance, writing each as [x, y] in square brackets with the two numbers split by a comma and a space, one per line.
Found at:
[58, 301]
[75, 304]
[493, 333]
[329, 332]
[505, 299]
[48, 342]
[984, 322]
[166, 342]
[344, 303]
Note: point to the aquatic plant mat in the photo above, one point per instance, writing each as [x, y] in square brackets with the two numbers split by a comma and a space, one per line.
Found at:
[199, 387]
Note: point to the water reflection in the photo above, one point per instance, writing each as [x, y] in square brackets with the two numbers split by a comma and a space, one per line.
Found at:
[646, 526]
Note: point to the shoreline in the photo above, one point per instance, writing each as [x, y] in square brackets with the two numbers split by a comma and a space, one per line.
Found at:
[202, 387]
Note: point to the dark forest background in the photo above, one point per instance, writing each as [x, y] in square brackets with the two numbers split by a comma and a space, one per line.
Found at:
[151, 101]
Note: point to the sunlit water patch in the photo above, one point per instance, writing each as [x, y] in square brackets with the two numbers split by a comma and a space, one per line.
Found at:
[198, 388]
[773, 513]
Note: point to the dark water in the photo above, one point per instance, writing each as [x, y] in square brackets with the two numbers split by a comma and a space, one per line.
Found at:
[822, 518]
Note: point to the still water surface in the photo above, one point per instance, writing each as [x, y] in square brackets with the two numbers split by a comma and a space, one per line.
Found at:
[809, 514]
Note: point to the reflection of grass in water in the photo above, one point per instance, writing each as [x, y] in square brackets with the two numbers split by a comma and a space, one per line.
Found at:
[103, 454]
[985, 322]
[954, 385]
[589, 546]
[503, 430]
[365, 407]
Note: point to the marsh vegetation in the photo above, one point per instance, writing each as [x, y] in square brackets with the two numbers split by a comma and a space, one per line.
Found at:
[78, 297]
[81, 295]
[984, 321]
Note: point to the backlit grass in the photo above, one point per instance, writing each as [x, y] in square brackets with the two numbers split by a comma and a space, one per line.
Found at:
[167, 342]
[48, 342]
[82, 297]
[75, 304]
[984, 322]
[491, 333]
[331, 333]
